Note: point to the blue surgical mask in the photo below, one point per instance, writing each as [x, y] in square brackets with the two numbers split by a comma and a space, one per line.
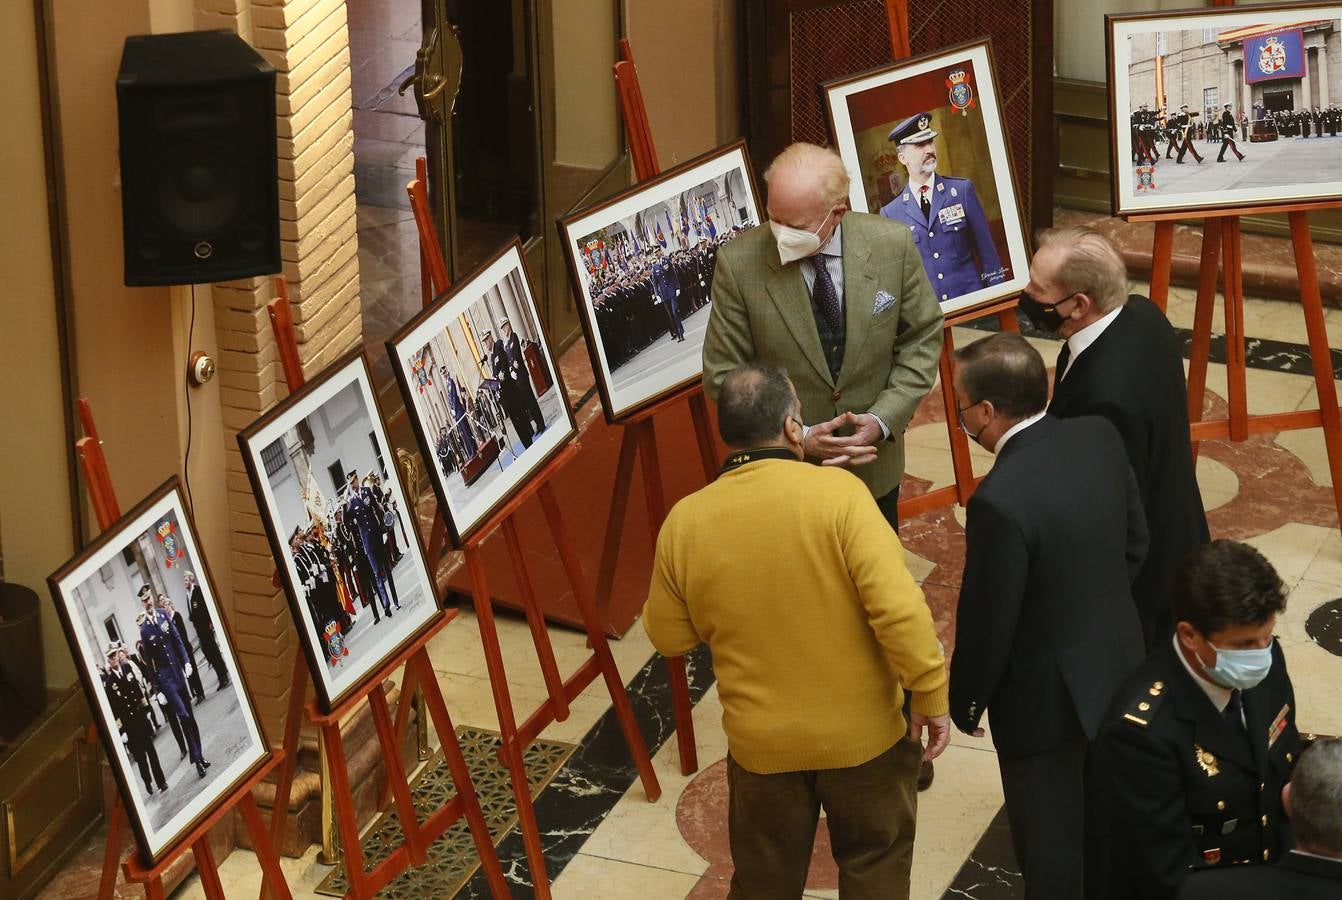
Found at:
[1240, 669]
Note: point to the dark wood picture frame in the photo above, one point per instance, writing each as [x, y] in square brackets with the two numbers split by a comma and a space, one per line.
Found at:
[356, 360]
[1119, 131]
[567, 236]
[467, 288]
[115, 538]
[999, 152]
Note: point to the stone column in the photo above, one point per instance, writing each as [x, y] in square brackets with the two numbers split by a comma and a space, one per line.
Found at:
[307, 41]
[1321, 73]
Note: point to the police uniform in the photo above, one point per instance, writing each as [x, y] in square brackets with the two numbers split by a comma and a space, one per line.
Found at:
[952, 237]
[130, 705]
[167, 659]
[1184, 787]
[361, 514]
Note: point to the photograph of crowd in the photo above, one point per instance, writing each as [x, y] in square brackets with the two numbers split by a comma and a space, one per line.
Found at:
[925, 142]
[326, 482]
[642, 267]
[144, 628]
[1224, 108]
[481, 388]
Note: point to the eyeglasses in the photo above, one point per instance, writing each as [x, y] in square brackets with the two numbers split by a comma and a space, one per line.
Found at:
[1048, 307]
[961, 411]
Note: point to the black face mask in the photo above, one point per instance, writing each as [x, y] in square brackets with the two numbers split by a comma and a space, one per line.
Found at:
[1044, 316]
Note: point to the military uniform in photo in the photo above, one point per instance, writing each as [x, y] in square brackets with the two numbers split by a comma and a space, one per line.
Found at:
[1189, 786]
[193, 681]
[199, 614]
[361, 512]
[947, 223]
[130, 705]
[667, 288]
[168, 661]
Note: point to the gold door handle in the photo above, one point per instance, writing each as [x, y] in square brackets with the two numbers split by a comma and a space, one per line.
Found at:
[439, 85]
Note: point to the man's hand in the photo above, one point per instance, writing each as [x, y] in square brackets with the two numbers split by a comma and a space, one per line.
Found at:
[938, 733]
[187, 669]
[856, 449]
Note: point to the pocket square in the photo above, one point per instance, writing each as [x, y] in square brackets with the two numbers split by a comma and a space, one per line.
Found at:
[884, 300]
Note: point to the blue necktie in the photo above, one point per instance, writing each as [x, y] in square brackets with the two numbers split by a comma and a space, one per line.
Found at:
[1234, 714]
[825, 297]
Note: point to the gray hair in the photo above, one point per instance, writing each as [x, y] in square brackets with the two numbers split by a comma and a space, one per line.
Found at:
[823, 164]
[1090, 265]
[1316, 798]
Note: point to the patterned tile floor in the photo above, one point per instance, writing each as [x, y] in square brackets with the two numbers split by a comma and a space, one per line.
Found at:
[602, 837]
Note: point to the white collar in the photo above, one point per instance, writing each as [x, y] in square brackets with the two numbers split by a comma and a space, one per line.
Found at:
[1083, 338]
[1219, 696]
[1014, 429]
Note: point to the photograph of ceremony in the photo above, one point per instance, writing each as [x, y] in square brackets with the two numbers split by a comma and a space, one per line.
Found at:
[924, 142]
[482, 389]
[642, 267]
[162, 680]
[330, 494]
[1220, 108]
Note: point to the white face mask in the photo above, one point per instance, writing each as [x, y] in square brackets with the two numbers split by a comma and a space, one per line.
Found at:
[796, 243]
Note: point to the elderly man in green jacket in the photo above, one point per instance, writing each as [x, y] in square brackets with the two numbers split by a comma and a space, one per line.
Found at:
[840, 301]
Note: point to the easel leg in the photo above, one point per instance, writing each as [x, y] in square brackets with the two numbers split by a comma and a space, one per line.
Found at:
[703, 431]
[266, 852]
[1319, 351]
[284, 777]
[624, 712]
[349, 825]
[619, 503]
[206, 868]
[112, 852]
[404, 705]
[652, 477]
[682, 708]
[512, 750]
[1236, 375]
[1162, 257]
[545, 654]
[961, 463]
[400, 787]
[1202, 322]
[461, 777]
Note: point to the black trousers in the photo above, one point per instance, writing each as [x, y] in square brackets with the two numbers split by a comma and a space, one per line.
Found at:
[1047, 811]
[889, 506]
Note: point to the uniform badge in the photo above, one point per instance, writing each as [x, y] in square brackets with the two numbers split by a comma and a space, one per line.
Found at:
[952, 215]
[171, 549]
[335, 642]
[1146, 178]
[1211, 856]
[954, 192]
[1278, 726]
[961, 91]
[1206, 761]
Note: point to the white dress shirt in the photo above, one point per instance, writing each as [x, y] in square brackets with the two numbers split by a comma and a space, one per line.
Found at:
[1083, 338]
[1015, 429]
[1219, 696]
[831, 254]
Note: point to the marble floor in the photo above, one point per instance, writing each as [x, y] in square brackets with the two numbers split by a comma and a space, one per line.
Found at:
[603, 839]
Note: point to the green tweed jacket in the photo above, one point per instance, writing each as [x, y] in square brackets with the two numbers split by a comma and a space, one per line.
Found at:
[761, 311]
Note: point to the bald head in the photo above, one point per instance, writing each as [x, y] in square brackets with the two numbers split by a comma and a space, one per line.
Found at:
[1081, 260]
[806, 182]
[753, 406]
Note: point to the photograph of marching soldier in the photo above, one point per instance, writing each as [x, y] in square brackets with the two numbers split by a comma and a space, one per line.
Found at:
[1260, 76]
[173, 748]
[321, 467]
[642, 268]
[924, 141]
[481, 388]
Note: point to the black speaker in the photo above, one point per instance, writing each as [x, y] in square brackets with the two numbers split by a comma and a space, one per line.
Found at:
[199, 179]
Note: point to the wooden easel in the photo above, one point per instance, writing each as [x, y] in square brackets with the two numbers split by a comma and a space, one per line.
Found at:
[418, 676]
[108, 511]
[561, 692]
[1221, 250]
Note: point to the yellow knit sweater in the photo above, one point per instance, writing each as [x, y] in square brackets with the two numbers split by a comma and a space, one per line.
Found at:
[795, 581]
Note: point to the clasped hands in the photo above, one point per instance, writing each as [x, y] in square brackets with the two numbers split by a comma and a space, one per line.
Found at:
[856, 449]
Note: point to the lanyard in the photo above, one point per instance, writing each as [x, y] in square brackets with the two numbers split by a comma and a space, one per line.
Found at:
[736, 460]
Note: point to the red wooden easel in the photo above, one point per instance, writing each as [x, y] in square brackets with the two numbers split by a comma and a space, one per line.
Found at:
[418, 676]
[560, 692]
[108, 511]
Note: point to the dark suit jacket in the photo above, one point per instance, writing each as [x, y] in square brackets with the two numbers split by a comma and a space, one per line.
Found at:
[1045, 627]
[1133, 375]
[1182, 790]
[1294, 878]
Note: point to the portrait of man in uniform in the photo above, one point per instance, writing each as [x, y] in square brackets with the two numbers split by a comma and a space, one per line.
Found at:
[944, 216]
[925, 147]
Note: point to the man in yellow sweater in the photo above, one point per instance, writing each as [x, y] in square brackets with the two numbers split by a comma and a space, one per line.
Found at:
[791, 575]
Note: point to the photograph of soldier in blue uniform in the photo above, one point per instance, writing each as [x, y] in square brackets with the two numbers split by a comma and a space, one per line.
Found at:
[171, 668]
[362, 512]
[944, 216]
[667, 289]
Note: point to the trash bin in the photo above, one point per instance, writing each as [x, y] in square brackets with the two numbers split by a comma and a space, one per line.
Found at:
[23, 677]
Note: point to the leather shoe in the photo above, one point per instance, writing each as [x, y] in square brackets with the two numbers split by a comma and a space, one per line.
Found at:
[925, 775]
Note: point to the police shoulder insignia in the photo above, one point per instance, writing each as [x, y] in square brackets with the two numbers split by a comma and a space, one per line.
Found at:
[1144, 707]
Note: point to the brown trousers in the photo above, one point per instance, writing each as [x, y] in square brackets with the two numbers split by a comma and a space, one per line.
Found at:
[871, 808]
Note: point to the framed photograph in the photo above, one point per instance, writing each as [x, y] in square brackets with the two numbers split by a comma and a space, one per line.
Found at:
[642, 270]
[1225, 107]
[924, 142]
[482, 389]
[139, 609]
[342, 530]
